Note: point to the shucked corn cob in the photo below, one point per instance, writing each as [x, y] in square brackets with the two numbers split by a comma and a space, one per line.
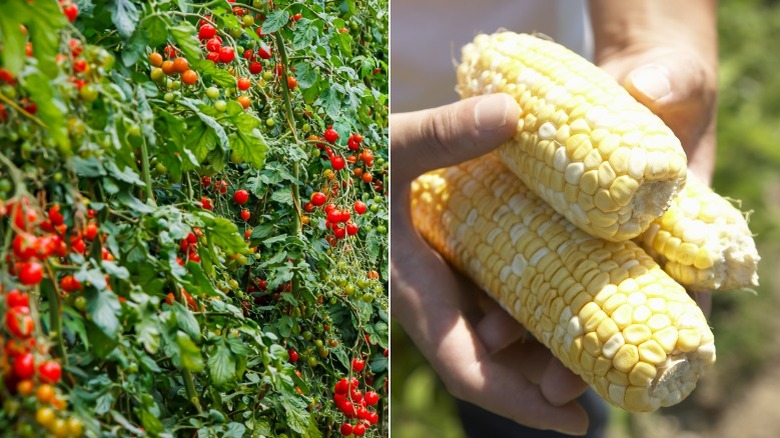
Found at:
[703, 241]
[583, 144]
[605, 309]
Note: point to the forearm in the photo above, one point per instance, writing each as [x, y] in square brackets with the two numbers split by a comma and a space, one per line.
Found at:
[620, 24]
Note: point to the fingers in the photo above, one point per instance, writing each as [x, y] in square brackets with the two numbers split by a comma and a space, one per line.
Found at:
[439, 137]
[497, 329]
[559, 385]
[495, 383]
[680, 88]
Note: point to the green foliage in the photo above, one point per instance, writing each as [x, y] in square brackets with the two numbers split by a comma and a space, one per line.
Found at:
[190, 305]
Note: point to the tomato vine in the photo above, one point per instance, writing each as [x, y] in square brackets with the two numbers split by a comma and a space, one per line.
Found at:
[165, 268]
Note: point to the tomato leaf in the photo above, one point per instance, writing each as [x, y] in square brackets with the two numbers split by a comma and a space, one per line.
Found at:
[186, 320]
[275, 21]
[305, 74]
[296, 414]
[13, 38]
[156, 29]
[184, 33]
[189, 356]
[250, 147]
[125, 15]
[222, 364]
[210, 71]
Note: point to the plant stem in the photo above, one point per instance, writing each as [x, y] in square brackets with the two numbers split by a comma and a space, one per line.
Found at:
[15, 106]
[146, 172]
[189, 386]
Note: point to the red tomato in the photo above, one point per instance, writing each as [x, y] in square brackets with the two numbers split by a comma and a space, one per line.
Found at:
[17, 298]
[206, 31]
[371, 398]
[352, 229]
[214, 45]
[70, 284]
[358, 364]
[359, 430]
[255, 68]
[25, 246]
[241, 197]
[293, 355]
[360, 207]
[245, 214]
[243, 84]
[55, 217]
[342, 386]
[226, 54]
[292, 83]
[24, 366]
[30, 273]
[318, 198]
[50, 372]
[71, 11]
[339, 232]
[91, 232]
[265, 52]
[346, 429]
[331, 135]
[373, 417]
[337, 162]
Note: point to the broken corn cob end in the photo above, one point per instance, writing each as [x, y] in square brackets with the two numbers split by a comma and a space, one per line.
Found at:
[703, 241]
[605, 309]
[583, 144]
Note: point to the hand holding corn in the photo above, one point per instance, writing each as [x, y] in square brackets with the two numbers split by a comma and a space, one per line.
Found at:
[590, 158]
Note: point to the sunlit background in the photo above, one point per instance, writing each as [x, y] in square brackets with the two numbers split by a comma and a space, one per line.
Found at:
[741, 395]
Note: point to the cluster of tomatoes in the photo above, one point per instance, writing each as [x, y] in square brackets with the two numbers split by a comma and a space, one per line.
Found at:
[354, 404]
[26, 366]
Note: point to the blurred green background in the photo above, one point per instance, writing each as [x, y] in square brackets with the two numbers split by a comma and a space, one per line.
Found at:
[741, 396]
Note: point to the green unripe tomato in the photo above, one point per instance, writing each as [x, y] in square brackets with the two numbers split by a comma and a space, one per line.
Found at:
[313, 362]
[306, 128]
[374, 208]
[270, 122]
[248, 20]
[212, 92]
[268, 76]
[134, 130]
[236, 33]
[381, 229]
[88, 93]
[9, 91]
[176, 85]
[169, 97]
[349, 289]
[160, 168]
[367, 297]
[220, 106]
[307, 335]
[235, 158]
[318, 343]
[80, 303]
[157, 74]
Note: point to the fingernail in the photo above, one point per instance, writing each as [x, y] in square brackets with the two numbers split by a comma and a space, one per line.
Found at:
[652, 81]
[490, 113]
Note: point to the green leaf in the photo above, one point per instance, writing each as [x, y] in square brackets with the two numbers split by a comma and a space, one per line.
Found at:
[283, 196]
[296, 414]
[124, 14]
[89, 167]
[189, 354]
[209, 70]
[127, 175]
[250, 147]
[305, 74]
[211, 122]
[156, 29]
[275, 21]
[103, 308]
[13, 38]
[46, 20]
[224, 233]
[235, 430]
[150, 421]
[222, 365]
[200, 140]
[134, 49]
[186, 320]
[185, 37]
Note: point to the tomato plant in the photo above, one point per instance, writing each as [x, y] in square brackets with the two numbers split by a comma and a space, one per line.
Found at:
[163, 271]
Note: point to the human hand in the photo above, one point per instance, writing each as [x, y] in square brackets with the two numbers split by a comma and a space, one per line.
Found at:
[467, 338]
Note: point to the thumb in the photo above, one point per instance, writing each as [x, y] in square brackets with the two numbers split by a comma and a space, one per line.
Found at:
[444, 136]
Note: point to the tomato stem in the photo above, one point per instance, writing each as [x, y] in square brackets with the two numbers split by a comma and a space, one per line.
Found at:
[146, 172]
[15, 106]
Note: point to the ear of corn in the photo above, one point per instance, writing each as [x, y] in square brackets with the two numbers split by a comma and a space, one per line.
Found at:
[583, 144]
[703, 241]
[605, 309]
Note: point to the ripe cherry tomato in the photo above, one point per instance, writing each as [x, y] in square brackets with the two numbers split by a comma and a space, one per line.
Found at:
[331, 135]
[360, 207]
[25, 246]
[214, 44]
[359, 430]
[318, 198]
[17, 298]
[91, 231]
[30, 273]
[358, 364]
[168, 67]
[342, 386]
[293, 356]
[206, 31]
[337, 162]
[24, 366]
[346, 429]
[70, 10]
[265, 52]
[244, 101]
[226, 54]
[241, 197]
[50, 372]
[55, 217]
[371, 398]
[245, 214]
[255, 68]
[70, 284]
[180, 65]
[45, 393]
[189, 77]
[243, 84]
[352, 229]
[292, 83]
